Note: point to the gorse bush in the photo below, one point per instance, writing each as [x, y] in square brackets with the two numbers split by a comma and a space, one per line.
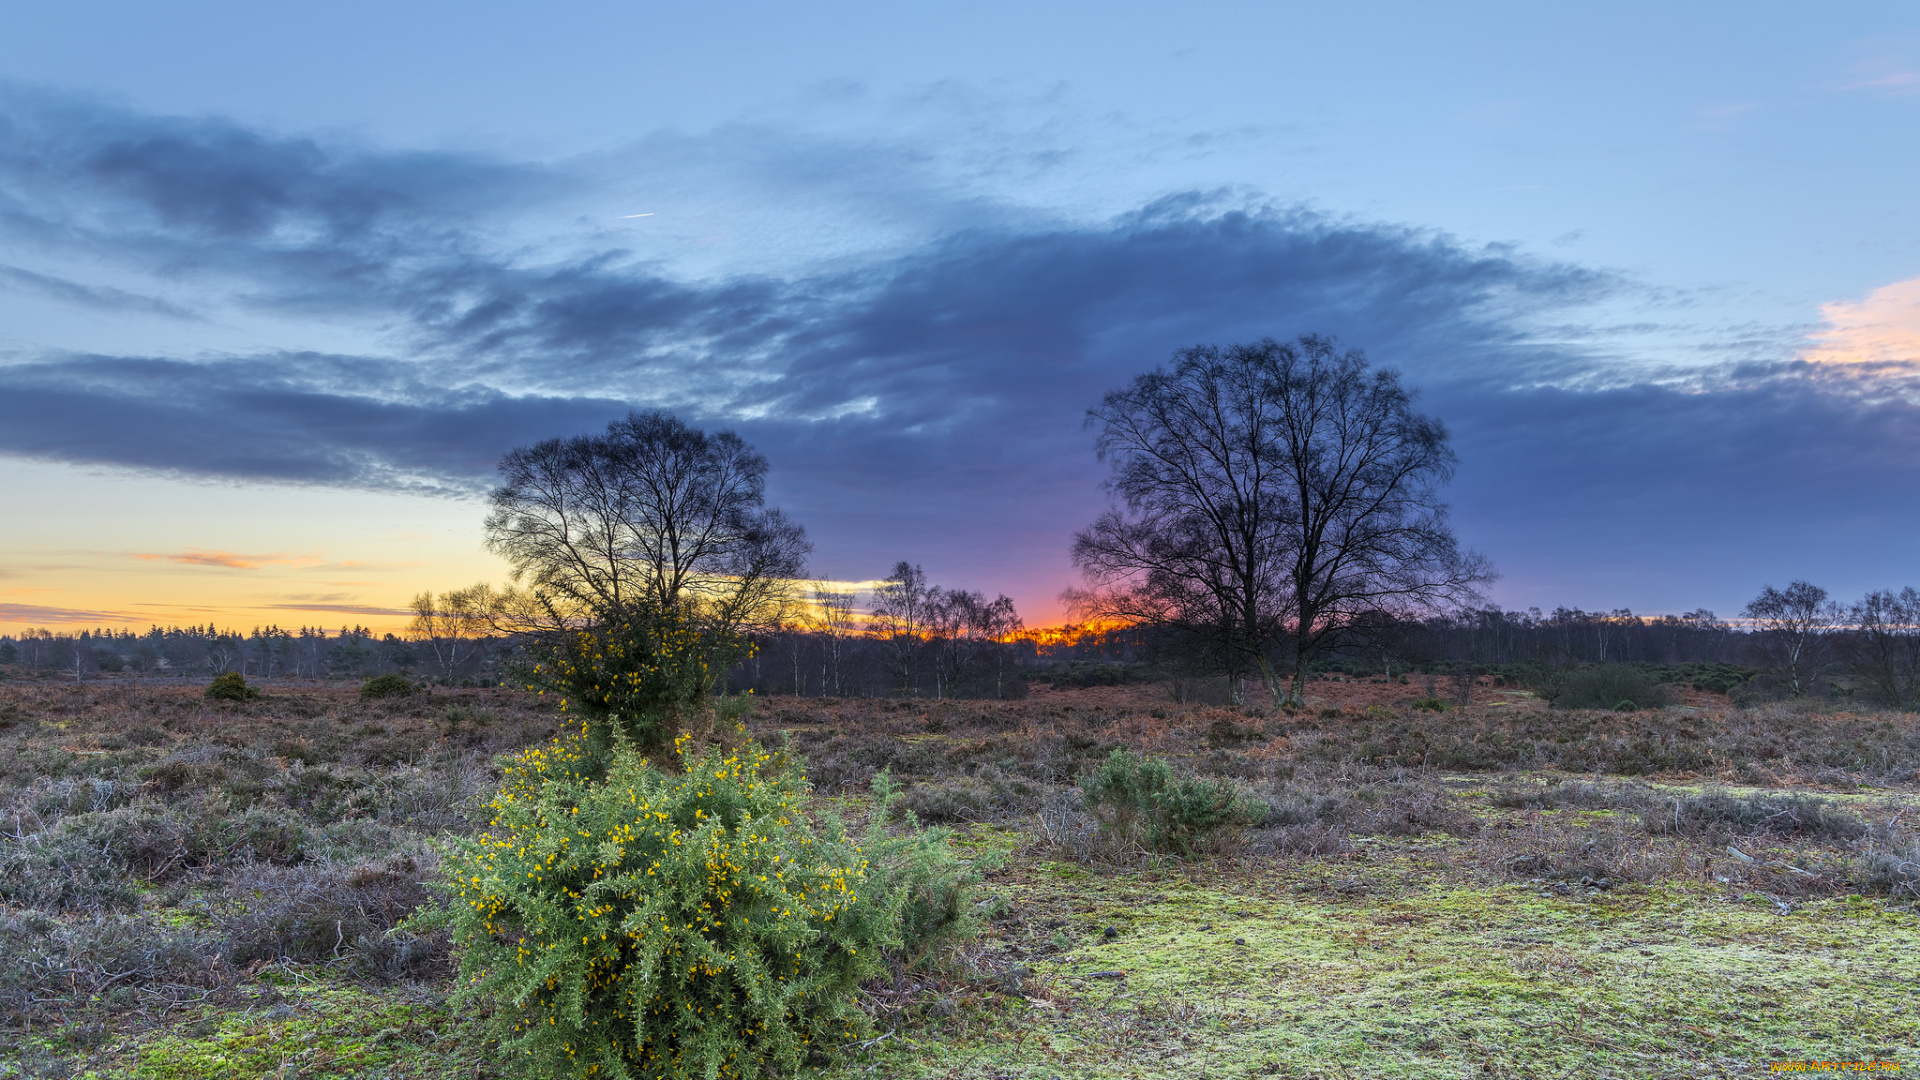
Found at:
[699, 924]
[1139, 799]
[638, 676]
[1622, 687]
[387, 686]
[231, 686]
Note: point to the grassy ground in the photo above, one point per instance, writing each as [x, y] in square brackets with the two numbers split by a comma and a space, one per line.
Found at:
[199, 890]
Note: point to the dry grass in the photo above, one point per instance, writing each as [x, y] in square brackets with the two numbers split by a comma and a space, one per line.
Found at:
[157, 849]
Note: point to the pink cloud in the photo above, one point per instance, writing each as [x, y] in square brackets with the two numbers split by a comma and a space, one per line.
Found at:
[228, 559]
[37, 615]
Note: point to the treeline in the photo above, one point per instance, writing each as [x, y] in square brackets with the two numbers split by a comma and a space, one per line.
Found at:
[1794, 642]
[308, 652]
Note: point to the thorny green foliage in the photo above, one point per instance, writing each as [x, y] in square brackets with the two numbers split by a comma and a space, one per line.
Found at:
[387, 686]
[231, 686]
[638, 676]
[705, 923]
[1139, 799]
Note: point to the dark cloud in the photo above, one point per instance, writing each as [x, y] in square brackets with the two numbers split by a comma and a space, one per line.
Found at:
[296, 417]
[923, 405]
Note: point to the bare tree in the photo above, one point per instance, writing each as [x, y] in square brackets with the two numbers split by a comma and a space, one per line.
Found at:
[903, 611]
[1278, 499]
[1883, 644]
[993, 624]
[950, 626]
[833, 622]
[654, 512]
[454, 625]
[1790, 631]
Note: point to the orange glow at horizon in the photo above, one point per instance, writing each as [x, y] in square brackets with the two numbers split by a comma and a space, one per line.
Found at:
[128, 551]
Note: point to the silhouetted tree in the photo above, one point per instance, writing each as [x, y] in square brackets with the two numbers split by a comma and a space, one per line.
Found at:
[903, 610]
[648, 559]
[1790, 632]
[454, 625]
[653, 512]
[1883, 644]
[1277, 498]
[832, 620]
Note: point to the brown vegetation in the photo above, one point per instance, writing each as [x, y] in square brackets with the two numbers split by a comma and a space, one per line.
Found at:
[159, 847]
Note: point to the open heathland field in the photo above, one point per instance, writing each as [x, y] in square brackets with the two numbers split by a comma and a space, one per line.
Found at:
[205, 889]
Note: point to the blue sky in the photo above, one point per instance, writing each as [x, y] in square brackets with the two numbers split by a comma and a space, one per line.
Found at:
[1654, 269]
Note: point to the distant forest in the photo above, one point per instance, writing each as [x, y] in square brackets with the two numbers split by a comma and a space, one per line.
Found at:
[1833, 654]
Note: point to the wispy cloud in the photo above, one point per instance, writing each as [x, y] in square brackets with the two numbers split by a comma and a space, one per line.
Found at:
[1885, 76]
[37, 615]
[94, 297]
[1872, 343]
[338, 609]
[228, 559]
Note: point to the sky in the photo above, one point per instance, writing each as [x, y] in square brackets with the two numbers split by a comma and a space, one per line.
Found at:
[279, 284]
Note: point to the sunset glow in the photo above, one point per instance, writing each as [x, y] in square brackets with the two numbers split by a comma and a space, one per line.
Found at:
[1882, 331]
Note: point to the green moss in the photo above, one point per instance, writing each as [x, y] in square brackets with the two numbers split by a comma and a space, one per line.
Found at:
[1262, 978]
[315, 1032]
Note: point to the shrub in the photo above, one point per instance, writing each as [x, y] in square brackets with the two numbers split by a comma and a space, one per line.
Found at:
[918, 868]
[1140, 800]
[1620, 687]
[387, 686]
[674, 925]
[1718, 813]
[1893, 867]
[331, 911]
[967, 798]
[88, 861]
[639, 677]
[231, 686]
[47, 964]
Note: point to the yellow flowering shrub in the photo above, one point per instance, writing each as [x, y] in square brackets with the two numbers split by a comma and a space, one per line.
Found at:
[654, 924]
[636, 677]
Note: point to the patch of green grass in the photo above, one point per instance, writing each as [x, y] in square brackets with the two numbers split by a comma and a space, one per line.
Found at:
[1272, 976]
[313, 1031]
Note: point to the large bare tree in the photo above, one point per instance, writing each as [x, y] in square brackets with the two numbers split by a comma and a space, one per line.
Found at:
[647, 561]
[1273, 500]
[655, 513]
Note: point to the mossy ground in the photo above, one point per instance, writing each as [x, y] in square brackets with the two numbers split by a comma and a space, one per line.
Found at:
[1369, 969]
[1395, 955]
[1390, 961]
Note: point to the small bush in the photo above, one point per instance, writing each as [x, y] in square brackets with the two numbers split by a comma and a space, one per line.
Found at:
[90, 861]
[387, 686]
[988, 794]
[340, 911]
[697, 924]
[1717, 813]
[1224, 732]
[1892, 867]
[1574, 793]
[920, 869]
[48, 963]
[1140, 800]
[1619, 687]
[231, 686]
